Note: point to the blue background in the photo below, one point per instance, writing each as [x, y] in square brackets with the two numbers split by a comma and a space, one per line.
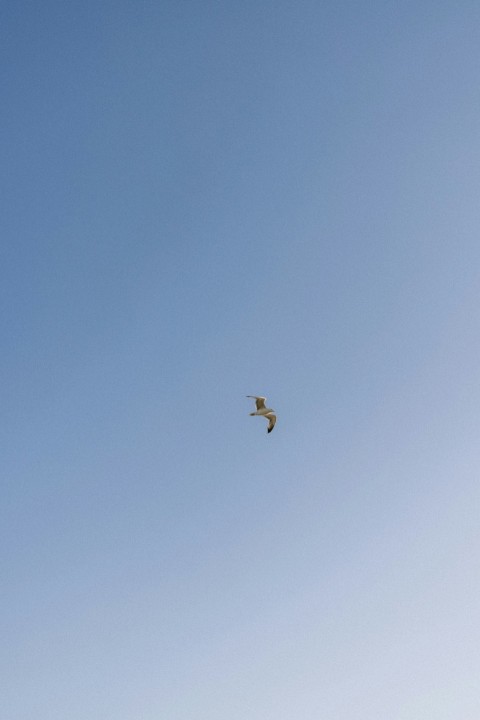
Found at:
[204, 200]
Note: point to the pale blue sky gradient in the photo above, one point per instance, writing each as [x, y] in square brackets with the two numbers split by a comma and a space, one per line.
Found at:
[203, 201]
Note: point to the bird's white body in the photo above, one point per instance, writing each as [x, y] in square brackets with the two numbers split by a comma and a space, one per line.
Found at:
[263, 411]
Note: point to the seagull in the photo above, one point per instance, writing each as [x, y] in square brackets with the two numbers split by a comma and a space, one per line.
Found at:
[264, 411]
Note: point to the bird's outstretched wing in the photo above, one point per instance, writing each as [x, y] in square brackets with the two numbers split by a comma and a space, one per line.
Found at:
[272, 419]
[259, 401]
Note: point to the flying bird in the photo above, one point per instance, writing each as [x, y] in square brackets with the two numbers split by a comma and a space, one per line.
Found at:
[264, 411]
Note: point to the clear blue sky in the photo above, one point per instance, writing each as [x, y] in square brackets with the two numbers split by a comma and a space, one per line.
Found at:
[200, 201]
